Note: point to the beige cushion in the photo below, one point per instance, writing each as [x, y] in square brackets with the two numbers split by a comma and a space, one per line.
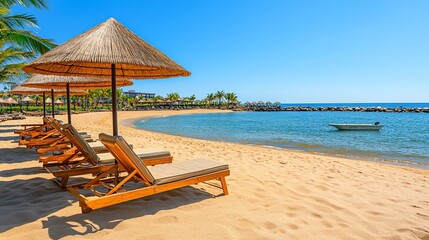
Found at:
[97, 146]
[176, 171]
[142, 153]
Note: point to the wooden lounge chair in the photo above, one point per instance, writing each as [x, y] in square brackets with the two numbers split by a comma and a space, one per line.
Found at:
[34, 131]
[156, 179]
[82, 159]
[51, 140]
[97, 146]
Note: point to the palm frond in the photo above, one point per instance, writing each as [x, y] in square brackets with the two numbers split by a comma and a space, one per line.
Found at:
[29, 41]
[26, 3]
[12, 54]
[17, 21]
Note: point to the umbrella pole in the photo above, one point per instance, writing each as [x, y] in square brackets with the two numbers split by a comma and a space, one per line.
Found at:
[44, 104]
[114, 102]
[115, 117]
[68, 103]
[20, 103]
[53, 105]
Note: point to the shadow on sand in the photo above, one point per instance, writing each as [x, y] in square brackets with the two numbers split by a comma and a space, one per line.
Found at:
[8, 130]
[10, 125]
[25, 201]
[22, 171]
[108, 218]
[17, 155]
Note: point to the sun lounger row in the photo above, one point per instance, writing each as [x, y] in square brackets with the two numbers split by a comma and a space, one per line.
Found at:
[114, 165]
[5, 117]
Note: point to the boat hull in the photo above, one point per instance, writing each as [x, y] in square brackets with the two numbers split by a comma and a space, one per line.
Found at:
[357, 127]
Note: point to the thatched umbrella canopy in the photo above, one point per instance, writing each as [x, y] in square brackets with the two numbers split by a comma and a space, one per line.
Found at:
[48, 100]
[10, 100]
[42, 91]
[107, 50]
[277, 103]
[268, 103]
[39, 91]
[58, 101]
[74, 82]
[28, 99]
[67, 82]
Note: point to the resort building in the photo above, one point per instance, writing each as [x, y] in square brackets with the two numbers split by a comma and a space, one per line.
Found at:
[134, 94]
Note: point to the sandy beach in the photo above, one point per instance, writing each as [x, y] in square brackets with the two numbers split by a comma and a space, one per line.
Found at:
[273, 194]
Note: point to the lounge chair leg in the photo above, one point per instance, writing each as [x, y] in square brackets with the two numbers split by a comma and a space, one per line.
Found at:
[64, 181]
[224, 187]
[85, 208]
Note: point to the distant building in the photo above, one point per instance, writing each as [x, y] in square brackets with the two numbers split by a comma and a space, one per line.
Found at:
[134, 94]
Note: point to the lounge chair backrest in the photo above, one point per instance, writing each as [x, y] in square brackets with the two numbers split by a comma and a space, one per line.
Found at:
[122, 151]
[76, 139]
[54, 123]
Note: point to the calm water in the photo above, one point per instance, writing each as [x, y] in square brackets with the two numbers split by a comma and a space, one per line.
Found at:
[403, 139]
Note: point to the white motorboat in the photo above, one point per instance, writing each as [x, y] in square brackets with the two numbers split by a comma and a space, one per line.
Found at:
[358, 127]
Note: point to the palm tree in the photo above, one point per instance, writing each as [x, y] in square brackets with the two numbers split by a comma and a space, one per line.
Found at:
[11, 61]
[230, 97]
[93, 96]
[173, 97]
[220, 95]
[26, 3]
[121, 97]
[12, 27]
[103, 94]
[211, 97]
[18, 45]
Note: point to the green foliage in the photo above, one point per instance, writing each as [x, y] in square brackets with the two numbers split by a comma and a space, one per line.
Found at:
[18, 44]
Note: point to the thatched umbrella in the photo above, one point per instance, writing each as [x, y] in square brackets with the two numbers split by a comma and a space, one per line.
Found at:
[107, 50]
[58, 101]
[28, 99]
[41, 91]
[160, 101]
[11, 101]
[48, 100]
[67, 82]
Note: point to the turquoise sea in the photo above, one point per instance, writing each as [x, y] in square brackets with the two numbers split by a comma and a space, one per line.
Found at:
[404, 138]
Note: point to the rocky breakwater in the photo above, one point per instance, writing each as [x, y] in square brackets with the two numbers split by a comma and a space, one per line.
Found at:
[332, 109]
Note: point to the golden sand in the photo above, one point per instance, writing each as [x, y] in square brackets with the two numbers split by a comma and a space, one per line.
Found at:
[274, 194]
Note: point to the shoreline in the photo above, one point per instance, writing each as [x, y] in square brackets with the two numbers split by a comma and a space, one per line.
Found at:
[273, 194]
[131, 122]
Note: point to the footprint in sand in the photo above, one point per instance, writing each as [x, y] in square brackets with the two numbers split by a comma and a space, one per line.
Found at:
[166, 219]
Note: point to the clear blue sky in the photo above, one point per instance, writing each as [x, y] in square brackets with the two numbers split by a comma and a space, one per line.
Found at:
[292, 51]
